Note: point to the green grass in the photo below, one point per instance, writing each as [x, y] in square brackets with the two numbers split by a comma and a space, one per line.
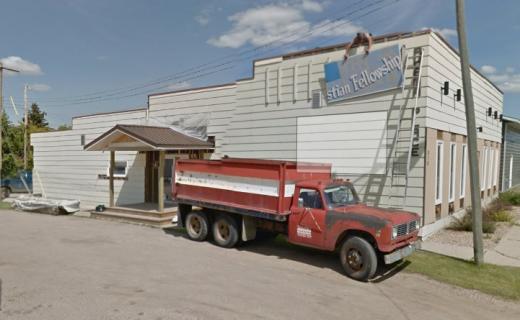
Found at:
[5, 205]
[491, 279]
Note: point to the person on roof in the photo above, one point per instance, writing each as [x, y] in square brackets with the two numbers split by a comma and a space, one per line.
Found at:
[361, 38]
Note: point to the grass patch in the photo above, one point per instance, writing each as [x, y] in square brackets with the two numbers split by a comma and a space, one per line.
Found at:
[503, 216]
[5, 205]
[491, 279]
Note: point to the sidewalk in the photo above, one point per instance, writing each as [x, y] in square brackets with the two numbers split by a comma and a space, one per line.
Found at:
[506, 252]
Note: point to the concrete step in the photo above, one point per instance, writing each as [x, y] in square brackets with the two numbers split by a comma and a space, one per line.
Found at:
[158, 222]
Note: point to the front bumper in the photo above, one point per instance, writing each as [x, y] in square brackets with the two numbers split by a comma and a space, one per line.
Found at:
[402, 252]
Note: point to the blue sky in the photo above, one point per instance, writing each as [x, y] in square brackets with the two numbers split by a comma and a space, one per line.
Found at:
[86, 56]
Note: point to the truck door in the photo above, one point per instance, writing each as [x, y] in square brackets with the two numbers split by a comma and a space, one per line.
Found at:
[307, 221]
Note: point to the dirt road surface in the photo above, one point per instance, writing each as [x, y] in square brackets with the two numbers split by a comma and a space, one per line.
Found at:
[78, 268]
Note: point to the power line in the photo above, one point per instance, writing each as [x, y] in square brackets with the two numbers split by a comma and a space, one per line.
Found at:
[333, 24]
[185, 73]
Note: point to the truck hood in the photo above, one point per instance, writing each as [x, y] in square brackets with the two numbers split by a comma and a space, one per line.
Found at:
[392, 216]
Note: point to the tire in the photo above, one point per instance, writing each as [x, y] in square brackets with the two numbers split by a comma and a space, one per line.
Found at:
[197, 226]
[225, 231]
[358, 258]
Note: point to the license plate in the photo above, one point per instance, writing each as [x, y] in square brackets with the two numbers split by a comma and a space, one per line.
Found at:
[401, 253]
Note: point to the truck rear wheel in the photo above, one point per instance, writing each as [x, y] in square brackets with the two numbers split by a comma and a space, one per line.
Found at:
[225, 231]
[197, 226]
[358, 258]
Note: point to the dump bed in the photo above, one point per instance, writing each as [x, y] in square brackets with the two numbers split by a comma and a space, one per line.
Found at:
[257, 186]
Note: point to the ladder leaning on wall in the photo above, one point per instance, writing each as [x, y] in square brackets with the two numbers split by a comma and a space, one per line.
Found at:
[406, 135]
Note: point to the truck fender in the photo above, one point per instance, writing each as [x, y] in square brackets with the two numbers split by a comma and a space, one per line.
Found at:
[355, 233]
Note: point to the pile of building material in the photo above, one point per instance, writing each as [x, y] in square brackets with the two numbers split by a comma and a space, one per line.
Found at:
[45, 205]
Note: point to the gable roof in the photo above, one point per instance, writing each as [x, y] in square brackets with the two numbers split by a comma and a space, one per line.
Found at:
[125, 137]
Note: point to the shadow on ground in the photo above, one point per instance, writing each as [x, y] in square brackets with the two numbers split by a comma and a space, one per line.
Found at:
[280, 248]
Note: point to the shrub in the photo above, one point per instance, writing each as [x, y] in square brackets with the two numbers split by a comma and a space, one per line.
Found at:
[510, 197]
[502, 216]
[466, 223]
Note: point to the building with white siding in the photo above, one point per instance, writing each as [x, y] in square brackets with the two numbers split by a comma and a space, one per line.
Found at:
[510, 164]
[400, 148]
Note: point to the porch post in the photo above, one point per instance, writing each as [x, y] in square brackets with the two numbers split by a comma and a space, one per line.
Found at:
[160, 174]
[111, 177]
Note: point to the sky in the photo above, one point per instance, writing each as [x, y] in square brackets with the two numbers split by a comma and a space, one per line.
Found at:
[86, 56]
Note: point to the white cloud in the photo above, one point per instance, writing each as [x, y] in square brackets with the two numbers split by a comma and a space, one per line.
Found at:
[23, 66]
[314, 6]
[488, 69]
[39, 87]
[508, 81]
[445, 32]
[179, 86]
[203, 18]
[264, 24]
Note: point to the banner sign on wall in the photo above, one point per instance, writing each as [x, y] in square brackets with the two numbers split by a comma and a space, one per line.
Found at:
[360, 75]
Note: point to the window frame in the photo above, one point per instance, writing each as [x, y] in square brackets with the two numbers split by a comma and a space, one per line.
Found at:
[463, 171]
[116, 175]
[319, 195]
[439, 170]
[452, 182]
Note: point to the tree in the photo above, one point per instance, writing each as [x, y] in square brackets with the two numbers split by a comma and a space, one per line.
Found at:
[63, 127]
[37, 117]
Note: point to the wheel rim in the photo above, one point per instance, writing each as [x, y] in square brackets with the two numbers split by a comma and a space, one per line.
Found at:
[355, 259]
[223, 230]
[195, 225]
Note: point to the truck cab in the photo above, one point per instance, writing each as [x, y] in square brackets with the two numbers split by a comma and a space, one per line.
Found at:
[329, 215]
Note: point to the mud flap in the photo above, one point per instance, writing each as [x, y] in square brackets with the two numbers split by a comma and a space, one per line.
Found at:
[248, 228]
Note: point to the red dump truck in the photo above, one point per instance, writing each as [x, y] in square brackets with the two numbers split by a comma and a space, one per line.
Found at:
[235, 198]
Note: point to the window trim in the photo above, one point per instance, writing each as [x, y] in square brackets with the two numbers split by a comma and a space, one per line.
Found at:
[439, 166]
[452, 182]
[125, 175]
[491, 165]
[483, 166]
[463, 171]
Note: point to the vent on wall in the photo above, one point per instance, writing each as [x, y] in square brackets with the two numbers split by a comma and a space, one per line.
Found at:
[317, 99]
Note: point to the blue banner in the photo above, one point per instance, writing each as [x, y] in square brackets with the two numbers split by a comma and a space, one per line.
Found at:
[360, 75]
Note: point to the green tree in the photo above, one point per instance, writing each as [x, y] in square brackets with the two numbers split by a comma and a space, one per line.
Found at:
[37, 117]
[63, 127]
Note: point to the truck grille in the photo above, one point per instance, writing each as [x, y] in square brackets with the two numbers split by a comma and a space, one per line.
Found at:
[405, 228]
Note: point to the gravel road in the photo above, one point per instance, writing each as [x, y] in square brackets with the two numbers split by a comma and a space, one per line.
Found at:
[78, 268]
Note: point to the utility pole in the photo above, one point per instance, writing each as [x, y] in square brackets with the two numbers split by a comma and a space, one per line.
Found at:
[25, 125]
[476, 206]
[2, 68]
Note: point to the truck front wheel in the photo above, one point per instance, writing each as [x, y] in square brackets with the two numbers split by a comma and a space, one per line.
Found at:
[358, 258]
[225, 231]
[197, 225]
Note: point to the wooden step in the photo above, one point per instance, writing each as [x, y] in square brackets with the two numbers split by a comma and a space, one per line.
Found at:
[158, 222]
[149, 213]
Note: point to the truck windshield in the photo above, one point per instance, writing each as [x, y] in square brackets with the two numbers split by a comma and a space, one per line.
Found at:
[340, 195]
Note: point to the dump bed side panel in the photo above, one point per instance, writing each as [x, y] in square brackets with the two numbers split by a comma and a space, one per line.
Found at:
[260, 185]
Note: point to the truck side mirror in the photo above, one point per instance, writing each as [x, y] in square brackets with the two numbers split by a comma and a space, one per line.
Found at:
[300, 202]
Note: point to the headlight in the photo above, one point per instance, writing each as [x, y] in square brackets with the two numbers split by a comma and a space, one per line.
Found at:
[394, 232]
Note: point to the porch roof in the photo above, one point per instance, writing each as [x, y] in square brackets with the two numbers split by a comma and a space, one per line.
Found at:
[127, 137]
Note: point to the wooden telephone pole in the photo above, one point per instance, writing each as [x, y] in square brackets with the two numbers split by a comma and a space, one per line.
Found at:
[2, 68]
[476, 206]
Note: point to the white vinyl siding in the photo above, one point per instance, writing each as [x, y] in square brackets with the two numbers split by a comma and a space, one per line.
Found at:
[439, 172]
[453, 157]
[352, 143]
[463, 169]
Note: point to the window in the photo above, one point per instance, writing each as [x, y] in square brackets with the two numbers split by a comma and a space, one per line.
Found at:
[310, 198]
[82, 139]
[120, 169]
[496, 167]
[453, 154]
[483, 165]
[463, 166]
[491, 164]
[439, 172]
[340, 195]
